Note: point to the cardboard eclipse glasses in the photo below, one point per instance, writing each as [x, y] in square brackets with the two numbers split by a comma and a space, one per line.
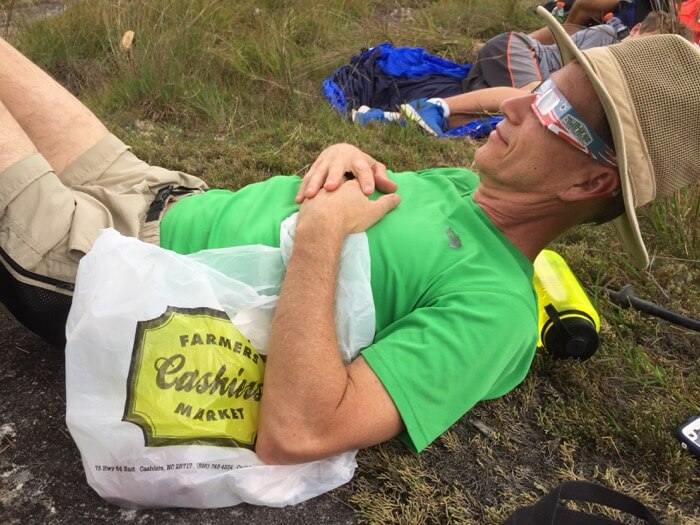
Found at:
[558, 115]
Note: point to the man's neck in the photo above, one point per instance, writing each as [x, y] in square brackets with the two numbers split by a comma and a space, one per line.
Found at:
[529, 223]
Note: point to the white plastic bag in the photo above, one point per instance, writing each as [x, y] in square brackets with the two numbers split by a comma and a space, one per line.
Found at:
[164, 371]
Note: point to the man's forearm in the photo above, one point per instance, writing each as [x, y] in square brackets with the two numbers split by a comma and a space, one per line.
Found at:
[305, 377]
[313, 405]
[482, 100]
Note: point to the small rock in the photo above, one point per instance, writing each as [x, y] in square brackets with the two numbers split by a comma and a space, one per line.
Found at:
[144, 125]
[8, 430]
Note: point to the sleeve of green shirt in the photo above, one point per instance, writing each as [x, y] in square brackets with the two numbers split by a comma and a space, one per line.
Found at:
[441, 359]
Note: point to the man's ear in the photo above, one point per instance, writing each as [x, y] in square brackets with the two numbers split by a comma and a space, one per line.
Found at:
[603, 182]
[636, 30]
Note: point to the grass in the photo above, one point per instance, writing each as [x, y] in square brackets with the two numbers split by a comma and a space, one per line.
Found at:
[230, 91]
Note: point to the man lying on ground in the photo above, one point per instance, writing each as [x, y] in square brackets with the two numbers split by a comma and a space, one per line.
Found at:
[509, 65]
[451, 264]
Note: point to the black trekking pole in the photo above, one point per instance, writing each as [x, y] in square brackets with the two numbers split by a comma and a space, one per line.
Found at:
[625, 298]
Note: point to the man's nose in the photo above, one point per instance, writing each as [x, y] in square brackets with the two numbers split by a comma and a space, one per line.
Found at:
[515, 108]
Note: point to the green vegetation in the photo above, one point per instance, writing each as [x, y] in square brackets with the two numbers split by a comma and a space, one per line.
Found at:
[230, 91]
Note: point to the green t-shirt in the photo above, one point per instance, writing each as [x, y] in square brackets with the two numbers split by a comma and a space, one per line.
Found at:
[456, 316]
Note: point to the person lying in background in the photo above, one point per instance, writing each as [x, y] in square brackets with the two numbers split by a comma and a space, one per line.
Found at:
[510, 64]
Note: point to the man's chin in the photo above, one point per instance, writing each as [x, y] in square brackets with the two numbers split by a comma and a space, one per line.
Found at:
[477, 166]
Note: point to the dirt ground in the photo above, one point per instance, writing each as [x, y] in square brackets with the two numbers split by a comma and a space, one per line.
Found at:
[41, 475]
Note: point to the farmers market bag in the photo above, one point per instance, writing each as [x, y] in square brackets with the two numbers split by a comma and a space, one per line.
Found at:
[165, 361]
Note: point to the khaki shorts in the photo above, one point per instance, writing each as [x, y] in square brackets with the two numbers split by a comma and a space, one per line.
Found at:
[48, 223]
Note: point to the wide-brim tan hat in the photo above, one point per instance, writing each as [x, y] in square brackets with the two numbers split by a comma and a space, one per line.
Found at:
[649, 89]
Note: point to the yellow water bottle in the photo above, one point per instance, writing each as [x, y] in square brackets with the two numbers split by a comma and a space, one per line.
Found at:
[568, 323]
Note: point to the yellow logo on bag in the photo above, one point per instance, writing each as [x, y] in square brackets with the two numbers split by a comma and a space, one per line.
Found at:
[194, 379]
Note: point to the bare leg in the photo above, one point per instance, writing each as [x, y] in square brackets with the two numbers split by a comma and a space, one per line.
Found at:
[14, 142]
[585, 11]
[60, 126]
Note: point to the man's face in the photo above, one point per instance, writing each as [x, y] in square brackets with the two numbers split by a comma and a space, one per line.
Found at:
[521, 155]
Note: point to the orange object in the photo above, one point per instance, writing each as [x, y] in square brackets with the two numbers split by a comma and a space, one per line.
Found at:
[690, 15]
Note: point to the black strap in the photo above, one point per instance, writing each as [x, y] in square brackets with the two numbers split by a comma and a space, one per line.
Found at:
[548, 510]
[161, 199]
[158, 204]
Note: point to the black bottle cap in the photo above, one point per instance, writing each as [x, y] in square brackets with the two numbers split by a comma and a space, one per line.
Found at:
[577, 339]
